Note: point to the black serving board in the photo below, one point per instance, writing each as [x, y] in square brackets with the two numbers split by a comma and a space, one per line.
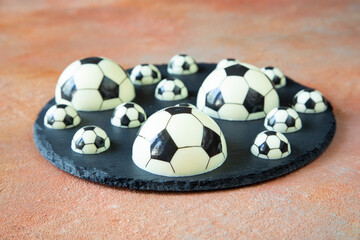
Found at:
[115, 167]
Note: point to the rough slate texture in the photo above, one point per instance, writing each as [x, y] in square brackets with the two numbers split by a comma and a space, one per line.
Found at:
[316, 43]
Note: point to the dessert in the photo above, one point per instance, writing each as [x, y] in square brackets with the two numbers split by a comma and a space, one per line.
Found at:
[93, 84]
[179, 141]
[145, 74]
[116, 167]
[182, 64]
[239, 92]
[309, 101]
[61, 116]
[90, 140]
[275, 75]
[171, 89]
[128, 115]
[271, 145]
[283, 119]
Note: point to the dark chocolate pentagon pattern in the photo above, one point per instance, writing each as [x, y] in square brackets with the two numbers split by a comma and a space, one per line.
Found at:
[108, 89]
[227, 62]
[178, 110]
[214, 99]
[163, 147]
[236, 70]
[254, 101]
[91, 60]
[211, 142]
[264, 149]
[68, 89]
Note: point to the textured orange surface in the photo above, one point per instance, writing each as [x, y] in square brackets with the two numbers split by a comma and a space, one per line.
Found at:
[314, 42]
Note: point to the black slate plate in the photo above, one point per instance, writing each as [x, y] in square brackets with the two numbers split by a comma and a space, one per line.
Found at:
[115, 167]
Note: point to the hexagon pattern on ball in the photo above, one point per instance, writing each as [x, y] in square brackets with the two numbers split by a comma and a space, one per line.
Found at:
[227, 62]
[283, 119]
[171, 89]
[239, 92]
[145, 74]
[179, 141]
[275, 75]
[94, 84]
[309, 101]
[271, 145]
[128, 115]
[182, 64]
[90, 140]
[61, 116]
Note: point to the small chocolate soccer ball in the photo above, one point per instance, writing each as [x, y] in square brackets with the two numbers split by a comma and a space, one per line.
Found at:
[171, 89]
[271, 145]
[309, 101]
[275, 75]
[128, 115]
[227, 62]
[61, 116]
[145, 74]
[185, 105]
[283, 119]
[90, 140]
[182, 64]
